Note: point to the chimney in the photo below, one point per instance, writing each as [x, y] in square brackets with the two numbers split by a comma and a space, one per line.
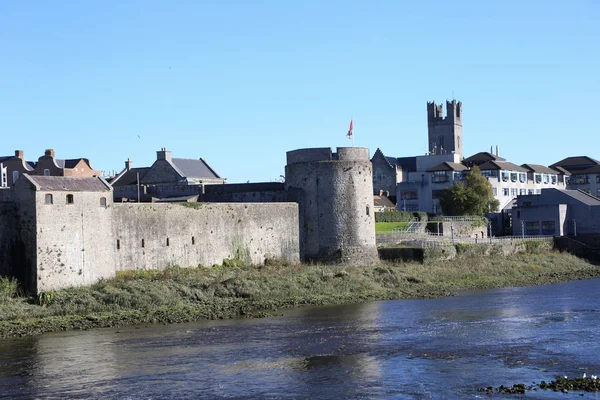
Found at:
[49, 152]
[128, 164]
[497, 153]
[19, 154]
[492, 150]
[163, 154]
[381, 192]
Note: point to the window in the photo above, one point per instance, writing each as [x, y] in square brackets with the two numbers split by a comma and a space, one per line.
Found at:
[546, 179]
[102, 201]
[118, 244]
[368, 213]
[579, 179]
[537, 178]
[48, 198]
[504, 175]
[439, 177]
[522, 177]
[506, 192]
[538, 191]
[597, 192]
[168, 242]
[532, 227]
[598, 178]
[3, 180]
[513, 177]
[409, 195]
[193, 240]
[553, 179]
[514, 192]
[70, 199]
[548, 227]
[15, 176]
[143, 243]
[523, 192]
[529, 191]
[458, 176]
[46, 172]
[495, 191]
[489, 173]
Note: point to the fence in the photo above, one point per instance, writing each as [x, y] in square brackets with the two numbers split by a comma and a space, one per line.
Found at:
[434, 240]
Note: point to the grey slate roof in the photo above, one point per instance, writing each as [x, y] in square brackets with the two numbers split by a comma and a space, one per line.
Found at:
[130, 177]
[69, 183]
[593, 170]
[71, 163]
[539, 168]
[576, 163]
[448, 166]
[191, 168]
[382, 201]
[505, 165]
[581, 196]
[482, 157]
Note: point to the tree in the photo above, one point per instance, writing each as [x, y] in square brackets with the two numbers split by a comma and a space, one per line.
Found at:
[473, 197]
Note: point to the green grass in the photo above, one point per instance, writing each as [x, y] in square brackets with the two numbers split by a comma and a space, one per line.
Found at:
[387, 227]
[188, 294]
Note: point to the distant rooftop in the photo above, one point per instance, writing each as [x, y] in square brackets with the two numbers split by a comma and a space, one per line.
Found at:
[68, 183]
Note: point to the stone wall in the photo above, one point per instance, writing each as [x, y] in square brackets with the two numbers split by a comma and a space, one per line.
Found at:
[335, 193]
[154, 236]
[75, 242]
[18, 236]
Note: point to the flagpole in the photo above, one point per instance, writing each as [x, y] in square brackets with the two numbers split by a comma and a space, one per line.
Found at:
[352, 119]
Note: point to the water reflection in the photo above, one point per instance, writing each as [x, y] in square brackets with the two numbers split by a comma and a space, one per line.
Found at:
[443, 348]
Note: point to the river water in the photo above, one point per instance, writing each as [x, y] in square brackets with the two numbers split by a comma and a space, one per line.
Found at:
[413, 349]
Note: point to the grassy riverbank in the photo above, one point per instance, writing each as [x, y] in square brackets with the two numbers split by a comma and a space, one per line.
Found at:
[182, 294]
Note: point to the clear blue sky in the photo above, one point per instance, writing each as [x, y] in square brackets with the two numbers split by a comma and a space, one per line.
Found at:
[239, 83]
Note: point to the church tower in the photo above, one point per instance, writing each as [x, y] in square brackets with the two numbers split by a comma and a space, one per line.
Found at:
[445, 134]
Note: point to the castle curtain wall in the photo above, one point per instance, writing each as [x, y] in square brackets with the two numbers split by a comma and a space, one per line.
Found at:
[158, 235]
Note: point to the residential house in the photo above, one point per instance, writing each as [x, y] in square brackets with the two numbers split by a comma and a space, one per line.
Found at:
[12, 167]
[168, 177]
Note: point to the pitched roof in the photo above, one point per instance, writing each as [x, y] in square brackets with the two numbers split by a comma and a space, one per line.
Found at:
[382, 201]
[594, 170]
[576, 163]
[129, 177]
[69, 183]
[448, 166]
[71, 163]
[505, 165]
[539, 168]
[561, 170]
[482, 157]
[581, 196]
[406, 163]
[191, 168]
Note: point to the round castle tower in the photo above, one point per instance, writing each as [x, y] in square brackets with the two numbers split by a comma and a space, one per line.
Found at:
[335, 196]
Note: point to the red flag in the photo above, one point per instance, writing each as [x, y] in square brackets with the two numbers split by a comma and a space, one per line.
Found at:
[350, 133]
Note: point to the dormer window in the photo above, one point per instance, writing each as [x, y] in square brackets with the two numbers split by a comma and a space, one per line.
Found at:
[46, 172]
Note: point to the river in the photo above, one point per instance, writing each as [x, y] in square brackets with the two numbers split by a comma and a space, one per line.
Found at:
[413, 349]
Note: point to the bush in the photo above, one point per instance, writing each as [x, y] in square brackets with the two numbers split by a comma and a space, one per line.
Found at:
[399, 216]
[8, 288]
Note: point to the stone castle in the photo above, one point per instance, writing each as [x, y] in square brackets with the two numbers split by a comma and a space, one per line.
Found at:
[62, 231]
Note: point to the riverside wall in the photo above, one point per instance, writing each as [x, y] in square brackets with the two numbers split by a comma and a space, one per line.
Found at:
[156, 235]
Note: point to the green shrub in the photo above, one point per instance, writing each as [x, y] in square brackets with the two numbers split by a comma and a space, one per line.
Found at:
[462, 248]
[399, 216]
[8, 287]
